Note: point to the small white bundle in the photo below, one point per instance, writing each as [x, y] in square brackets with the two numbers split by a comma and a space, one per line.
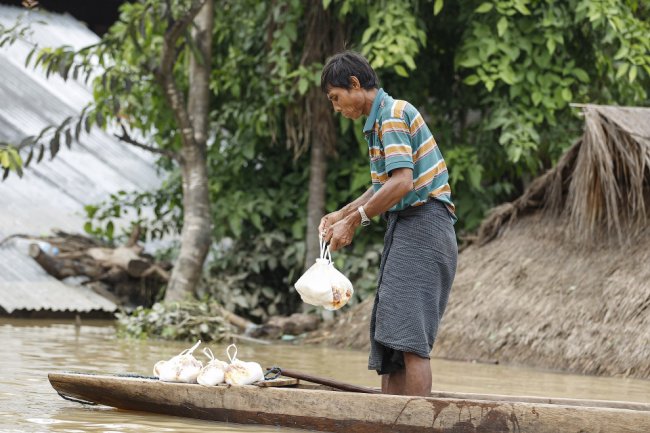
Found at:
[214, 371]
[181, 368]
[240, 372]
[323, 285]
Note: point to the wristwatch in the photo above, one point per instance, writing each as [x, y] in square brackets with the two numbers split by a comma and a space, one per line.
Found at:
[365, 221]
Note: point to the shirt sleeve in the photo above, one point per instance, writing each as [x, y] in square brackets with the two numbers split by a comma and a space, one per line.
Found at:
[396, 140]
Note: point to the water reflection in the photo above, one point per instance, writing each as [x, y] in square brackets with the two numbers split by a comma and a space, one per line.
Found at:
[30, 349]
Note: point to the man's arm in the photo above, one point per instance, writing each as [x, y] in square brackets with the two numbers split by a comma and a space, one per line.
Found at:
[360, 201]
[332, 218]
[399, 184]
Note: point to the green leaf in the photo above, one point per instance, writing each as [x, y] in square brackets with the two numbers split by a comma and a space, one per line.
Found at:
[367, 34]
[522, 8]
[471, 80]
[437, 7]
[257, 221]
[99, 118]
[29, 56]
[581, 75]
[88, 124]
[235, 224]
[298, 230]
[550, 45]
[4, 159]
[502, 26]
[54, 145]
[303, 85]
[68, 138]
[622, 70]
[110, 228]
[567, 95]
[41, 153]
[483, 8]
[16, 161]
[408, 59]
[514, 153]
[508, 76]
[91, 210]
[401, 71]
[632, 73]
[622, 52]
[30, 156]
[326, 4]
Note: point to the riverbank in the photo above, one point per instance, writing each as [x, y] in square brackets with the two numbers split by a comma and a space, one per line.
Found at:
[590, 315]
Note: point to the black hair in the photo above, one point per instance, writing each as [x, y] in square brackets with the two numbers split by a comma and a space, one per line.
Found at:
[340, 67]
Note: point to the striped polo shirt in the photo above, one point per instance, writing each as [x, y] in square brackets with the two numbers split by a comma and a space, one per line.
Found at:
[398, 137]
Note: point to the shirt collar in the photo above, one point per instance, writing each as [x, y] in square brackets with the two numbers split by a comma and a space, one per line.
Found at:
[370, 121]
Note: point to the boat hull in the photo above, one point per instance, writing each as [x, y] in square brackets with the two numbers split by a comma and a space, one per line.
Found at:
[334, 411]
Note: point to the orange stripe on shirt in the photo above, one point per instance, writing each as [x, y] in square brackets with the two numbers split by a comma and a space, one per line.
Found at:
[394, 126]
[379, 177]
[398, 108]
[427, 177]
[375, 153]
[444, 189]
[424, 149]
[397, 149]
[416, 124]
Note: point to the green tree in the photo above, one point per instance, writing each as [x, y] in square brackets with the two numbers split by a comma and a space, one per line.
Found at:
[470, 75]
[493, 79]
[167, 46]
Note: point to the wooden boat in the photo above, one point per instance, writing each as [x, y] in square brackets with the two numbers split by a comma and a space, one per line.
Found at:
[320, 408]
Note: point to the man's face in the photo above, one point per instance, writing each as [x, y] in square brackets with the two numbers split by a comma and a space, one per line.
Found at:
[348, 102]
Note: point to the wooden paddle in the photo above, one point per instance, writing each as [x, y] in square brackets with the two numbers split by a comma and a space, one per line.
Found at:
[325, 381]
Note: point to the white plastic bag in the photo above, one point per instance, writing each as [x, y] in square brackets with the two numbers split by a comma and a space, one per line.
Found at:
[213, 372]
[240, 372]
[322, 285]
[181, 368]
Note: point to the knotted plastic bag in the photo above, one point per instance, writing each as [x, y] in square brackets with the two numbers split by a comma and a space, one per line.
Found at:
[242, 373]
[181, 368]
[213, 372]
[323, 285]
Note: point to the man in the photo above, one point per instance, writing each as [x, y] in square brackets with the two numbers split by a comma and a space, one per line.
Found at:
[410, 188]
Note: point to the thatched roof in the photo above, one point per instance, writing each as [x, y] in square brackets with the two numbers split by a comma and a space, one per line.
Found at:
[600, 185]
[561, 276]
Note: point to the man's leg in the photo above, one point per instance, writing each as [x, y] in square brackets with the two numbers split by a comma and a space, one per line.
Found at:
[417, 375]
[393, 383]
[413, 379]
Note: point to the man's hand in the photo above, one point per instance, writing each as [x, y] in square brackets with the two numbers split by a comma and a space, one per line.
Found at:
[340, 234]
[328, 221]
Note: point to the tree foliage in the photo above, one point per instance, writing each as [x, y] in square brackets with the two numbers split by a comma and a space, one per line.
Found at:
[494, 80]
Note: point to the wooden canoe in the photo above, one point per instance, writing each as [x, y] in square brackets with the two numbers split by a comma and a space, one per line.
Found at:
[319, 408]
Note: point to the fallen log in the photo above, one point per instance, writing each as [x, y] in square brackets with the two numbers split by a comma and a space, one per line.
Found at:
[125, 271]
[61, 268]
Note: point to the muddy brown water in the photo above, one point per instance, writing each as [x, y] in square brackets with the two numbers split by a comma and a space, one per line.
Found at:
[30, 349]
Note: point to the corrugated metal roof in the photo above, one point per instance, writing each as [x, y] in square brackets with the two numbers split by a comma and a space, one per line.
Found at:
[25, 286]
[52, 194]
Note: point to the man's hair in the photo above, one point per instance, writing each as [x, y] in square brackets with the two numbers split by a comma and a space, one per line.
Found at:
[340, 67]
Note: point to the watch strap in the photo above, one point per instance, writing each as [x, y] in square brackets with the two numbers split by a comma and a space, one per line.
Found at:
[364, 218]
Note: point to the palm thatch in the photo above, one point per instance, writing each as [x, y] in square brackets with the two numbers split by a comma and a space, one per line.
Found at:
[600, 184]
[560, 278]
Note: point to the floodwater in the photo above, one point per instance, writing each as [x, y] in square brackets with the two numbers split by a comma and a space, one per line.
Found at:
[30, 349]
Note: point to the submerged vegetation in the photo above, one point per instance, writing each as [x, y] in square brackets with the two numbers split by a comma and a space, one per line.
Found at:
[176, 321]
